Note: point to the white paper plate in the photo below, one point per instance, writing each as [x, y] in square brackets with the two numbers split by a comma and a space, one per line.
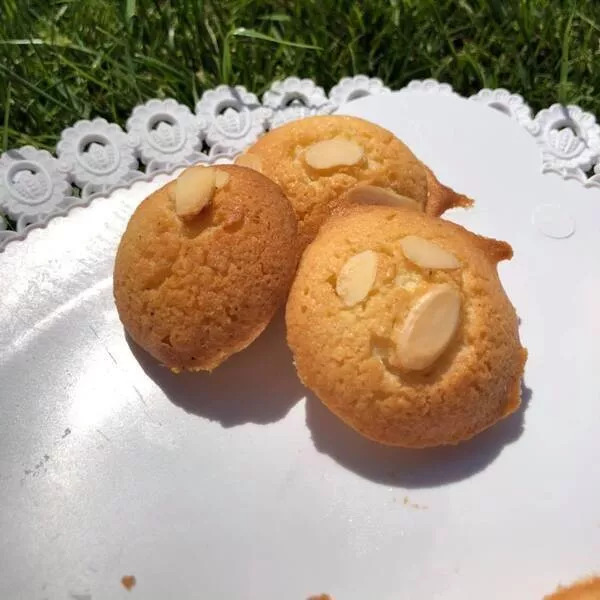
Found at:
[234, 485]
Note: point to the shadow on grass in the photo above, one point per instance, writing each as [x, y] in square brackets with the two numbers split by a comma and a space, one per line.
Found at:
[258, 385]
[408, 468]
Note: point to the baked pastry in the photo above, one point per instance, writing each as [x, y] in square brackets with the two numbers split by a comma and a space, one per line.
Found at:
[587, 589]
[204, 264]
[325, 162]
[399, 324]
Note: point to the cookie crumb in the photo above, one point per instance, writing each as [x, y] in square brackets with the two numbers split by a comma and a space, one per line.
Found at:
[321, 597]
[128, 581]
[585, 588]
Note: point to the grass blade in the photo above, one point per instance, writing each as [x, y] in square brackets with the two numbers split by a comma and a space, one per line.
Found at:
[257, 35]
[6, 119]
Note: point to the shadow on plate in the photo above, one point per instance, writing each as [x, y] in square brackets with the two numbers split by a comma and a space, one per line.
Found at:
[260, 385]
[429, 467]
[257, 385]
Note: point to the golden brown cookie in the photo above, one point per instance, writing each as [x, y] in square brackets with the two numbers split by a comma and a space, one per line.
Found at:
[399, 324]
[587, 589]
[204, 264]
[319, 161]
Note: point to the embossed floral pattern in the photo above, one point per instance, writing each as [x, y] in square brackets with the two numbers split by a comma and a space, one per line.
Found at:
[32, 185]
[352, 88]
[430, 86]
[511, 105]
[234, 117]
[295, 98]
[166, 134]
[98, 156]
[569, 137]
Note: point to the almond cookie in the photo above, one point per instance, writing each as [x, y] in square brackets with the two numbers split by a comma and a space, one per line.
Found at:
[400, 325]
[204, 264]
[324, 162]
[588, 589]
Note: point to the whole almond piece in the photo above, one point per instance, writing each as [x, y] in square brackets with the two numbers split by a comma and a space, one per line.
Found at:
[221, 179]
[356, 277]
[330, 154]
[426, 254]
[372, 194]
[428, 329]
[251, 161]
[194, 189]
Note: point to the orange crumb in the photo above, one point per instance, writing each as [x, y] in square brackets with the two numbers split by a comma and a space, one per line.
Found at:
[128, 581]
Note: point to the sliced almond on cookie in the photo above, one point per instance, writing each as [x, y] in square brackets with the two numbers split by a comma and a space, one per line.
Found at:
[221, 179]
[428, 329]
[356, 277]
[426, 254]
[194, 189]
[372, 194]
[329, 154]
[251, 161]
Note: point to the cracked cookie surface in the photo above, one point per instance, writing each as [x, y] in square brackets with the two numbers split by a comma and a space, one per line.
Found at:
[400, 325]
[193, 291]
[318, 162]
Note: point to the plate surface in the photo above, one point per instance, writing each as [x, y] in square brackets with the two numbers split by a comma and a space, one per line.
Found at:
[240, 484]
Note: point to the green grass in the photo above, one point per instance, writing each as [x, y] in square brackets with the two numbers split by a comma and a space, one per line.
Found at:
[62, 60]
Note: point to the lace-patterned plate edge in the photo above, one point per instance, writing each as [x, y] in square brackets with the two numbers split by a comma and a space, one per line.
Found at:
[94, 157]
